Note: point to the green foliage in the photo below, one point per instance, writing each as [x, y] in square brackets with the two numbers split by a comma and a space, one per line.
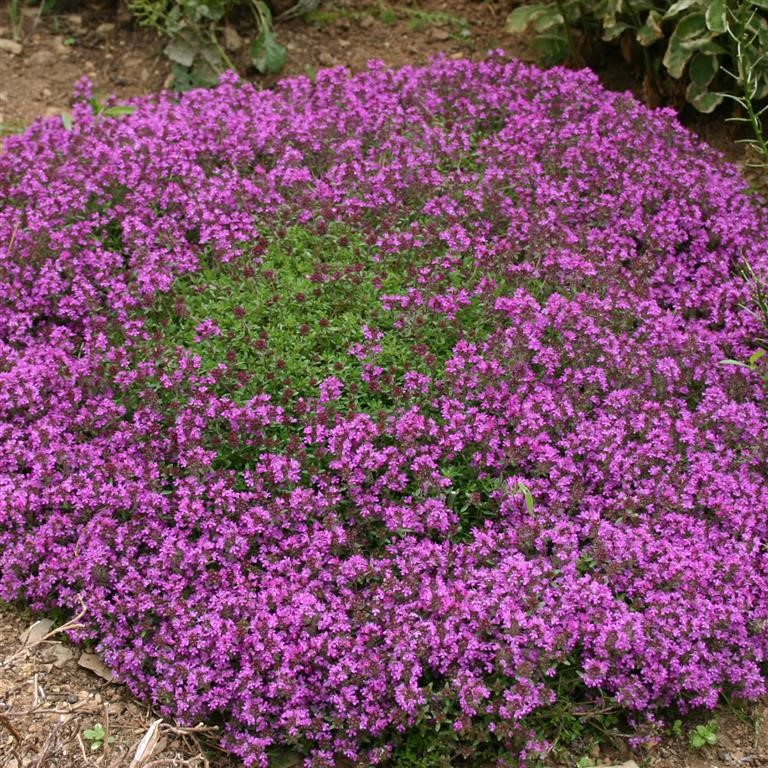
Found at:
[288, 319]
[195, 29]
[16, 17]
[690, 40]
[704, 735]
[757, 362]
[97, 736]
[750, 59]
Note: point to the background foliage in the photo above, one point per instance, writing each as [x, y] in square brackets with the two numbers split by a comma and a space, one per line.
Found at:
[685, 46]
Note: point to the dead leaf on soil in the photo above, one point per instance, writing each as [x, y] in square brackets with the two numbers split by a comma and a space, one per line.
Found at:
[36, 633]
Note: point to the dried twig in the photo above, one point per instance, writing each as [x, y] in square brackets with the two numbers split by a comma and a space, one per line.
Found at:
[5, 721]
[67, 627]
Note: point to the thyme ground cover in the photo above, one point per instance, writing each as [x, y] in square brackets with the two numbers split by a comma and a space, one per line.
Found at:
[282, 372]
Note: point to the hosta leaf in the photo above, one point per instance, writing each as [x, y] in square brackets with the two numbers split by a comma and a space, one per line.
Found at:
[614, 30]
[609, 10]
[710, 46]
[702, 99]
[524, 16]
[702, 69]
[689, 34]
[548, 19]
[690, 27]
[651, 30]
[715, 16]
[680, 6]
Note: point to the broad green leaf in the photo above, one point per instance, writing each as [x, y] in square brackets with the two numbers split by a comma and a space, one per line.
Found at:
[675, 58]
[712, 47]
[267, 55]
[715, 16]
[521, 18]
[651, 30]
[690, 27]
[180, 51]
[614, 30]
[679, 6]
[689, 34]
[704, 101]
[609, 10]
[702, 69]
[548, 19]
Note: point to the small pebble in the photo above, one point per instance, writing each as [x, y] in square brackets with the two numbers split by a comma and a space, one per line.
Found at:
[11, 46]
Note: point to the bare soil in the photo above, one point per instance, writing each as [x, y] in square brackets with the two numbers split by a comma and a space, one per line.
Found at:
[48, 700]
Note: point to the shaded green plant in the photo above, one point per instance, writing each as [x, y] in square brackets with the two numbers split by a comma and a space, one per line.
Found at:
[703, 735]
[194, 29]
[690, 41]
[97, 737]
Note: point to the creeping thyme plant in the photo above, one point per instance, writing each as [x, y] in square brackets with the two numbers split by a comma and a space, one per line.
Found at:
[381, 416]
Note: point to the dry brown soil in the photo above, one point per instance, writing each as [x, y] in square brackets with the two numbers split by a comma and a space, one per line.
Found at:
[48, 700]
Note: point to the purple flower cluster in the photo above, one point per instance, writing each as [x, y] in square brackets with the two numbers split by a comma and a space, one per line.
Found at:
[376, 570]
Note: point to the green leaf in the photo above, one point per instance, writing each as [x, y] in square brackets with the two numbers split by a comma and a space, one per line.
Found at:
[702, 69]
[715, 16]
[96, 733]
[760, 4]
[548, 19]
[66, 120]
[739, 363]
[119, 110]
[679, 6]
[691, 27]
[180, 51]
[523, 17]
[756, 356]
[612, 31]
[651, 30]
[712, 47]
[527, 495]
[689, 34]
[702, 99]
[267, 55]
[610, 10]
